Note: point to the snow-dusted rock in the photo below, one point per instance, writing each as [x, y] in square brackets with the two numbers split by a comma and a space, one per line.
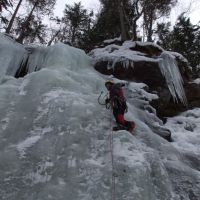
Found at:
[150, 64]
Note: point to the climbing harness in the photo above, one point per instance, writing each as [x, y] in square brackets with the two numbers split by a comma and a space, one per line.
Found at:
[112, 160]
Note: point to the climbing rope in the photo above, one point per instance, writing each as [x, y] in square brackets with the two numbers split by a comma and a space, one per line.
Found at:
[101, 101]
[112, 159]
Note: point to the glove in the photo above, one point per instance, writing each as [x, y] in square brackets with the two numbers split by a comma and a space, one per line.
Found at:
[107, 101]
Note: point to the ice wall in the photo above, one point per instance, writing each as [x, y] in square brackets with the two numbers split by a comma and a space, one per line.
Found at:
[55, 138]
[13, 55]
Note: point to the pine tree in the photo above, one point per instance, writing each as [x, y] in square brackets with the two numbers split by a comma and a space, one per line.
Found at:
[10, 24]
[184, 39]
[78, 20]
[35, 30]
[43, 7]
[153, 10]
[197, 56]
[113, 20]
[120, 18]
[164, 34]
[4, 4]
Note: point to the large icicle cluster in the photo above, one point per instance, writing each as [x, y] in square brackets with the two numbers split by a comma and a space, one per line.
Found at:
[173, 77]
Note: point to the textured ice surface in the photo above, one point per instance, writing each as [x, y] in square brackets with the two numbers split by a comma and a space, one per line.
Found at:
[12, 56]
[186, 131]
[55, 138]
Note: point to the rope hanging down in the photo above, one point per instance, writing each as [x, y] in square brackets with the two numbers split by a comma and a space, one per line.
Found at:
[112, 160]
[101, 101]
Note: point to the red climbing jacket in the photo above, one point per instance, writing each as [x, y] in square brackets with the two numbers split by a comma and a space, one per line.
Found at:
[116, 96]
[118, 104]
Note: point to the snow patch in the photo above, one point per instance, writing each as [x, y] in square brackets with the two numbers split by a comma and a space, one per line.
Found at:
[197, 81]
[139, 89]
[185, 130]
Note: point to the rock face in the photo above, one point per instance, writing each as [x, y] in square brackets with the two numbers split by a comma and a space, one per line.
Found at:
[193, 94]
[139, 62]
[140, 71]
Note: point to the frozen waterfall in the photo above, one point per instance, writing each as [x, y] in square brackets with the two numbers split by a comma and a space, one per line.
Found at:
[54, 136]
[173, 78]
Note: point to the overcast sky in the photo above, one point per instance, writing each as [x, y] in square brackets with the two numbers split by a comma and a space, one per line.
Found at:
[183, 5]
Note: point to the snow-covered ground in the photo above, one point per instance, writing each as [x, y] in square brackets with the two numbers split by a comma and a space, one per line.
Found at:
[55, 137]
[186, 132]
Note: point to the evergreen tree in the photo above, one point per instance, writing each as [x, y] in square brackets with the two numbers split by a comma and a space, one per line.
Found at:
[35, 30]
[78, 22]
[10, 24]
[43, 7]
[120, 17]
[5, 4]
[153, 10]
[107, 24]
[184, 39]
[197, 56]
[113, 20]
[163, 32]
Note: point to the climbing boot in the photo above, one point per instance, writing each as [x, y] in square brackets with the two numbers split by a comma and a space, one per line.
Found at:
[131, 127]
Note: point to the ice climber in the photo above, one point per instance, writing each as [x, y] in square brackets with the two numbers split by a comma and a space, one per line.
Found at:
[118, 104]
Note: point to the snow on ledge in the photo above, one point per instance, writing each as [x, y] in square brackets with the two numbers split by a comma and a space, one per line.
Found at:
[115, 53]
[124, 54]
[112, 40]
[197, 81]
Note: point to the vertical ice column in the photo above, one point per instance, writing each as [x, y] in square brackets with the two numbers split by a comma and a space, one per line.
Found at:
[170, 71]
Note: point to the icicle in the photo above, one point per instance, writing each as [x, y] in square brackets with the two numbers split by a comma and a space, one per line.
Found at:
[170, 71]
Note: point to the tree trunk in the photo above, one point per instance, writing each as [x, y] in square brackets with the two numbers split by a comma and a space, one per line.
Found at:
[73, 36]
[149, 30]
[26, 23]
[54, 36]
[134, 31]
[137, 15]
[13, 17]
[124, 31]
